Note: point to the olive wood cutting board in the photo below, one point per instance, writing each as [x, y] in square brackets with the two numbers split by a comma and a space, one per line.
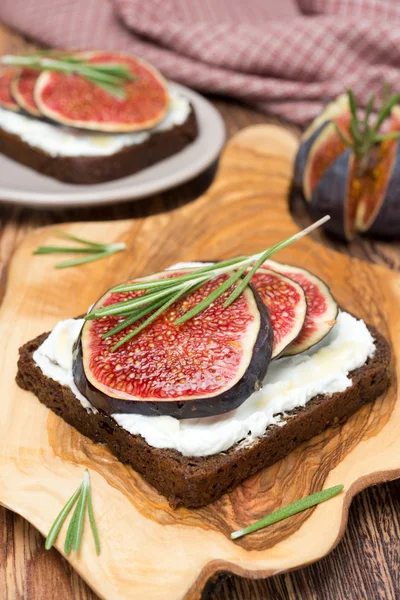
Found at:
[148, 549]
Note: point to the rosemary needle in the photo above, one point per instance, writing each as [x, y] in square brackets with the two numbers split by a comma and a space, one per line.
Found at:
[289, 511]
[160, 294]
[362, 135]
[92, 250]
[82, 497]
[58, 523]
[111, 77]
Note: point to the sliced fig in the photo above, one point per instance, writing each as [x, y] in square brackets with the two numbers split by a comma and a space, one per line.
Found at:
[367, 186]
[206, 366]
[329, 196]
[22, 88]
[325, 149]
[303, 152]
[337, 111]
[6, 100]
[321, 307]
[286, 303]
[355, 193]
[73, 100]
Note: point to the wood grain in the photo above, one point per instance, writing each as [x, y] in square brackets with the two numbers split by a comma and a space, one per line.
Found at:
[365, 565]
[249, 211]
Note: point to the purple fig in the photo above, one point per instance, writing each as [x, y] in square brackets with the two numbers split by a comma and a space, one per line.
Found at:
[352, 169]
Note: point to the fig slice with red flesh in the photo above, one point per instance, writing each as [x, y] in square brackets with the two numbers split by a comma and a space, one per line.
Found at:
[75, 101]
[321, 311]
[327, 146]
[286, 303]
[22, 88]
[367, 186]
[332, 111]
[6, 99]
[207, 366]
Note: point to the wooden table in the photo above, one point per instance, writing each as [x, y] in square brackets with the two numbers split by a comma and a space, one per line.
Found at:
[365, 565]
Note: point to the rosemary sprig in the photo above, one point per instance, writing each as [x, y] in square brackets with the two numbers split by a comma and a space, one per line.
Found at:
[109, 76]
[82, 497]
[162, 293]
[96, 250]
[363, 134]
[289, 511]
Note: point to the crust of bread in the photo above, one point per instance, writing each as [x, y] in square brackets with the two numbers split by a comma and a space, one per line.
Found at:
[99, 169]
[198, 481]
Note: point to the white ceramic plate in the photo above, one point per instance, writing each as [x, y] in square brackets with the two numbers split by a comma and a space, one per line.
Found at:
[20, 185]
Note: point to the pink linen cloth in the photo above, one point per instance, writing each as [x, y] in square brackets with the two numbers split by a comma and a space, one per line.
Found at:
[282, 56]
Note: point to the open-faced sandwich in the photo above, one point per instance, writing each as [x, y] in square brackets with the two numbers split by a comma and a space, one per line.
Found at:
[198, 378]
[90, 117]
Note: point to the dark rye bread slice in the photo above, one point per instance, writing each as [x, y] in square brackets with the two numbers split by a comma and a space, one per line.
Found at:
[197, 481]
[98, 169]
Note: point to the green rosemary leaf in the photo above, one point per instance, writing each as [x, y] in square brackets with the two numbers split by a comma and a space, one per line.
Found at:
[69, 538]
[66, 249]
[384, 113]
[344, 139]
[83, 500]
[154, 285]
[109, 76]
[195, 272]
[115, 69]
[354, 130]
[267, 254]
[246, 280]
[211, 297]
[368, 110]
[75, 238]
[58, 523]
[133, 318]
[171, 290]
[92, 520]
[153, 316]
[352, 103]
[289, 511]
[120, 307]
[81, 510]
[392, 135]
[85, 259]
[112, 89]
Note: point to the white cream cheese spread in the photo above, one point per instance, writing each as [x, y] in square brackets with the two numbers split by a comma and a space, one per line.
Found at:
[57, 140]
[54, 357]
[290, 383]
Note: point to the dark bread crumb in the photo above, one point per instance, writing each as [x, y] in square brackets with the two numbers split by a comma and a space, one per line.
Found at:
[198, 481]
[98, 169]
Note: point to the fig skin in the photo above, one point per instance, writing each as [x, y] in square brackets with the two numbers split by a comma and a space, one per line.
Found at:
[265, 279]
[329, 196]
[22, 94]
[302, 155]
[315, 325]
[228, 400]
[335, 110]
[387, 221]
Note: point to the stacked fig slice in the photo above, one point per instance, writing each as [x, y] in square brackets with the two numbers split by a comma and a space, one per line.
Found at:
[73, 100]
[209, 364]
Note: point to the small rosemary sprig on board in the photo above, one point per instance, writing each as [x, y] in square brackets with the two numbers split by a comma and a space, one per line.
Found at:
[95, 251]
[111, 77]
[363, 135]
[289, 511]
[82, 497]
[162, 293]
